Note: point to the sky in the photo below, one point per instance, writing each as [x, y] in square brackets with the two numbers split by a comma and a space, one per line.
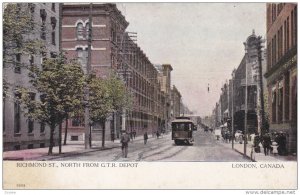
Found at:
[202, 41]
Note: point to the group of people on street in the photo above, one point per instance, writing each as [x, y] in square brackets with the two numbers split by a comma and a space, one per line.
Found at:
[278, 143]
[275, 143]
[269, 142]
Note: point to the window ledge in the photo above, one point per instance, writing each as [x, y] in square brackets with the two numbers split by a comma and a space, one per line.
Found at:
[30, 134]
[42, 134]
[17, 134]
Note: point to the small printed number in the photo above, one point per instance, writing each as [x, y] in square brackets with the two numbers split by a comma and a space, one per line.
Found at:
[21, 185]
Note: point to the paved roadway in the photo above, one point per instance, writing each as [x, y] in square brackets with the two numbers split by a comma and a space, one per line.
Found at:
[205, 149]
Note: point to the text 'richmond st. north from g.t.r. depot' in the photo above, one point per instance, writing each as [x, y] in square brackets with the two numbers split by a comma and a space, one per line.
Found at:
[75, 164]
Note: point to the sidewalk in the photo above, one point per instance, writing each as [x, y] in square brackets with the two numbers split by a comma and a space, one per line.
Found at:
[72, 148]
[258, 157]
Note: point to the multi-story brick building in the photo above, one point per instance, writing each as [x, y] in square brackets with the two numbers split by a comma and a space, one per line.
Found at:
[113, 49]
[18, 131]
[282, 70]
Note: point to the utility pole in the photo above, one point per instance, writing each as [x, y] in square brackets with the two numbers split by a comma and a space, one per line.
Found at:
[260, 85]
[232, 107]
[87, 135]
[246, 104]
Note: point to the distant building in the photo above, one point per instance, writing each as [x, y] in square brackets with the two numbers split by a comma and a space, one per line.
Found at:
[175, 102]
[19, 132]
[282, 70]
[164, 78]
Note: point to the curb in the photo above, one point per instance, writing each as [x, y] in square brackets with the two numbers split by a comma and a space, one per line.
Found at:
[246, 155]
[74, 153]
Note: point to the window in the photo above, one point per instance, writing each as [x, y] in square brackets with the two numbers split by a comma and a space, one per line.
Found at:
[269, 56]
[31, 61]
[42, 127]
[17, 147]
[78, 121]
[74, 138]
[30, 146]
[18, 63]
[280, 102]
[287, 96]
[287, 34]
[30, 120]
[42, 145]
[32, 10]
[53, 24]
[82, 56]
[79, 30]
[53, 7]
[274, 94]
[295, 25]
[285, 37]
[87, 30]
[43, 15]
[17, 113]
[292, 27]
[42, 124]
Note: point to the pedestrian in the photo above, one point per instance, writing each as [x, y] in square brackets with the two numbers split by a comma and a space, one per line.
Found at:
[145, 137]
[113, 137]
[124, 140]
[157, 134]
[266, 142]
[131, 135]
[134, 134]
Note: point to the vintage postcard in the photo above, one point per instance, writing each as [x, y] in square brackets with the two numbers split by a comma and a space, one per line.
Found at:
[150, 96]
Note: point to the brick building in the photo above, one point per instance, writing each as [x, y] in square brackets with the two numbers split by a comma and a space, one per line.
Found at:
[18, 131]
[113, 49]
[281, 72]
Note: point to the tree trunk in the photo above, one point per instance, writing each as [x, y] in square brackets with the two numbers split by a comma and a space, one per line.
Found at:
[66, 130]
[103, 133]
[52, 128]
[59, 137]
[90, 136]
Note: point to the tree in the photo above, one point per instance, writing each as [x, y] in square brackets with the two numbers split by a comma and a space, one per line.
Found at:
[60, 84]
[18, 26]
[106, 97]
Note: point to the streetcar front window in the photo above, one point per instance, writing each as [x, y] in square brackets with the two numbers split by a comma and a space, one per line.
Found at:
[182, 126]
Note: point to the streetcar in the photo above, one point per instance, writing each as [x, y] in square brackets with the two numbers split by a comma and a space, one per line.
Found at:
[182, 130]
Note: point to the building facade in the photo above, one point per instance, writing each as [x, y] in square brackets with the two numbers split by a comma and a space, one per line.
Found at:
[20, 132]
[281, 72]
[114, 50]
[175, 103]
[233, 93]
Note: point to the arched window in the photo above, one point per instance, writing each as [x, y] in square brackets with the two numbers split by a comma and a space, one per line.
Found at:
[79, 31]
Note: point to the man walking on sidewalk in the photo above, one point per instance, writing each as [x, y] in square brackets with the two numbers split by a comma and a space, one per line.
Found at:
[145, 137]
[266, 142]
[124, 140]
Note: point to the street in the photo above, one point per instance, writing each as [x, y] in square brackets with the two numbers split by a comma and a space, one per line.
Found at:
[205, 148]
